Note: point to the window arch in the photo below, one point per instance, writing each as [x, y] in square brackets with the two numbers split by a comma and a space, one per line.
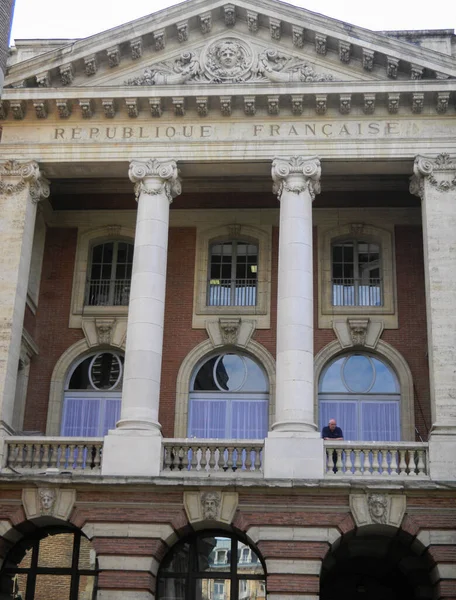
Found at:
[92, 397]
[356, 272]
[232, 273]
[210, 565]
[362, 393]
[229, 395]
[56, 562]
[109, 273]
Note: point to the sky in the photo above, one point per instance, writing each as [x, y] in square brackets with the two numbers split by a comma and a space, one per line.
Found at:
[47, 19]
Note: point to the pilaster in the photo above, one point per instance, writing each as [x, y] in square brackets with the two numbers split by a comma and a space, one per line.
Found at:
[136, 447]
[22, 186]
[294, 448]
[434, 181]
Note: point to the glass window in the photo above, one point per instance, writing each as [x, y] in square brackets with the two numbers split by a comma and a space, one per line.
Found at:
[215, 570]
[93, 396]
[356, 274]
[55, 563]
[110, 274]
[229, 399]
[232, 277]
[362, 393]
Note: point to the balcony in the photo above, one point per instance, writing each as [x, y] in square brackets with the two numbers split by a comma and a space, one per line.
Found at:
[107, 292]
[190, 458]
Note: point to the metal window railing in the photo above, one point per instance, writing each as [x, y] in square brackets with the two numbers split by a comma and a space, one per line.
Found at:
[108, 292]
[357, 292]
[232, 292]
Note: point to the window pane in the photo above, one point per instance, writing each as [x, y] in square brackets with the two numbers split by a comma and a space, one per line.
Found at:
[213, 589]
[332, 378]
[204, 379]
[106, 371]
[248, 561]
[13, 586]
[111, 415]
[230, 372]
[178, 561]
[52, 586]
[358, 373]
[86, 587]
[56, 551]
[346, 415]
[385, 380]
[249, 419]
[172, 589]
[207, 419]
[380, 421]
[256, 379]
[214, 554]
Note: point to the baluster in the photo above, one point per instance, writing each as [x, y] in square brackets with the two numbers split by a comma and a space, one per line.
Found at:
[81, 457]
[96, 457]
[22, 455]
[11, 455]
[203, 460]
[402, 463]
[31, 449]
[385, 466]
[339, 463]
[411, 463]
[70, 461]
[213, 461]
[248, 459]
[257, 462]
[184, 462]
[229, 461]
[421, 464]
[357, 462]
[375, 463]
[194, 461]
[45, 456]
[53, 455]
[169, 458]
[329, 461]
[394, 463]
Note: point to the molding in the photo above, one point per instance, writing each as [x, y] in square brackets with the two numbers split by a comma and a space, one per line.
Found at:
[190, 363]
[399, 365]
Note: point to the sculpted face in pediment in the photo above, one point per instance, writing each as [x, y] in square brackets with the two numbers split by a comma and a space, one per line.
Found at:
[229, 59]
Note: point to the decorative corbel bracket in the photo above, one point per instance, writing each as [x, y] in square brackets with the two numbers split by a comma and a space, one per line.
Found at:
[48, 501]
[104, 331]
[230, 331]
[358, 332]
[378, 508]
[211, 505]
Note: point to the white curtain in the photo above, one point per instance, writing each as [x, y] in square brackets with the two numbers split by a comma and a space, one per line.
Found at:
[207, 419]
[249, 419]
[345, 414]
[89, 417]
[380, 422]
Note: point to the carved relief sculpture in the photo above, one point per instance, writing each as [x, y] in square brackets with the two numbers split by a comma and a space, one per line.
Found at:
[210, 505]
[47, 498]
[378, 508]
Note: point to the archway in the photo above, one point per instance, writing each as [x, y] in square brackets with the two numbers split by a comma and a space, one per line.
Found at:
[374, 563]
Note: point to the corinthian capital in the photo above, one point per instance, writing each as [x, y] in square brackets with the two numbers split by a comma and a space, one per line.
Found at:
[440, 172]
[16, 175]
[296, 174]
[155, 176]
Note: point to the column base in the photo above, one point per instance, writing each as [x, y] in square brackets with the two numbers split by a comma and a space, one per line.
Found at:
[133, 453]
[442, 452]
[289, 455]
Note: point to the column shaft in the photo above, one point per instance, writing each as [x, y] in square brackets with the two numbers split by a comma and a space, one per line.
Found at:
[21, 187]
[297, 182]
[156, 184]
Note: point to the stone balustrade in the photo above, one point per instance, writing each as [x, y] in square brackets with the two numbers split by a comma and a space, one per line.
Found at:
[376, 459]
[48, 455]
[203, 457]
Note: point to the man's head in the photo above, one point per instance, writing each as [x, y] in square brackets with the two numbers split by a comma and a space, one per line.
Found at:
[332, 424]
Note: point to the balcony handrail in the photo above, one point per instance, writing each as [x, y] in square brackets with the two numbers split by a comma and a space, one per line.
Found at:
[108, 292]
[203, 457]
[376, 459]
[26, 454]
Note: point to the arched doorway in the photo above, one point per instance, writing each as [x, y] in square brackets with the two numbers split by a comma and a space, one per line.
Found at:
[376, 563]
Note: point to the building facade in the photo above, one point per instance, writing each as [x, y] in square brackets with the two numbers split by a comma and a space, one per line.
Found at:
[224, 225]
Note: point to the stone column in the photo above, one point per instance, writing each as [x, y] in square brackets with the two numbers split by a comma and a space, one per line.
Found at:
[294, 448]
[434, 181]
[21, 187]
[133, 450]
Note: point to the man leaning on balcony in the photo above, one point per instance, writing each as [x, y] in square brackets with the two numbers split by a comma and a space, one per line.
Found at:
[331, 431]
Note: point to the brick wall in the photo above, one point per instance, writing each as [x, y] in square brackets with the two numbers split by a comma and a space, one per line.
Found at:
[52, 334]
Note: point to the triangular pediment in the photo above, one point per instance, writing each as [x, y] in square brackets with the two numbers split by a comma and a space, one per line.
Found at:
[273, 43]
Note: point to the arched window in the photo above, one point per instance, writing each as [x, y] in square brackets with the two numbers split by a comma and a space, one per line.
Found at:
[356, 273]
[109, 277]
[93, 395]
[192, 570]
[362, 393]
[232, 276]
[53, 563]
[228, 399]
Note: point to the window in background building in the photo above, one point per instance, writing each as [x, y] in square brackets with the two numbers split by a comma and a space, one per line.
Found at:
[356, 274]
[191, 570]
[53, 563]
[109, 278]
[93, 396]
[229, 399]
[362, 393]
[232, 277]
